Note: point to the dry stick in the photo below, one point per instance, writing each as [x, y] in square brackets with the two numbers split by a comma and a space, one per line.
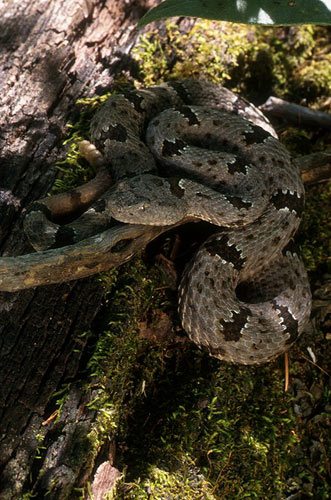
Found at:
[294, 113]
[286, 368]
[101, 252]
[315, 364]
[50, 419]
[315, 167]
[78, 199]
[110, 249]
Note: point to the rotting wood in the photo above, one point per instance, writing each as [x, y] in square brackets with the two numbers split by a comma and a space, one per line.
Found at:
[301, 116]
[52, 52]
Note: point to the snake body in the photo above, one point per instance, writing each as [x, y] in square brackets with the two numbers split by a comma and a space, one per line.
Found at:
[193, 150]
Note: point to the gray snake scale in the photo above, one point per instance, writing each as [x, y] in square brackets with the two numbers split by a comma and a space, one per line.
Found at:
[192, 150]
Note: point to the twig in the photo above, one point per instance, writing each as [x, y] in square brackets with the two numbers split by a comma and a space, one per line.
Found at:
[106, 250]
[50, 419]
[315, 364]
[294, 113]
[110, 249]
[315, 167]
[317, 174]
[287, 378]
[78, 199]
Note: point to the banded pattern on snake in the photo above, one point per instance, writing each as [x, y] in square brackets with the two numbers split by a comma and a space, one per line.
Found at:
[192, 150]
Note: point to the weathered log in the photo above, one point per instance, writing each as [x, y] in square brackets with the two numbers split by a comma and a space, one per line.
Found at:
[111, 248]
[315, 167]
[52, 52]
[301, 116]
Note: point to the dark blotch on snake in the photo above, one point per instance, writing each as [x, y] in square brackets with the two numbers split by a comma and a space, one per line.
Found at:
[173, 148]
[188, 113]
[157, 181]
[288, 321]
[117, 133]
[219, 351]
[255, 135]
[237, 202]
[240, 105]
[239, 165]
[134, 99]
[229, 253]
[291, 247]
[288, 200]
[232, 329]
[181, 91]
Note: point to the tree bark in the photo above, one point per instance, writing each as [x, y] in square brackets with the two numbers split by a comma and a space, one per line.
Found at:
[51, 53]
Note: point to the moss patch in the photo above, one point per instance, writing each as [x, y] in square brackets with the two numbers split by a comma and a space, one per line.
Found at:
[316, 226]
[291, 62]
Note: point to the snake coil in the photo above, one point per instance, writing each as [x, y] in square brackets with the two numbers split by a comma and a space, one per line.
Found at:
[193, 150]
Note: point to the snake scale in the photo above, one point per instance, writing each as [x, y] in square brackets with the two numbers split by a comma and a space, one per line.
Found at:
[192, 150]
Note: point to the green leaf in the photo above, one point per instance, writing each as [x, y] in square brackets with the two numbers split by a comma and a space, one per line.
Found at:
[268, 12]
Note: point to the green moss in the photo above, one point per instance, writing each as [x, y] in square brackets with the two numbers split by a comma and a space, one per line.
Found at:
[187, 482]
[207, 49]
[120, 354]
[74, 169]
[258, 61]
[315, 235]
[233, 425]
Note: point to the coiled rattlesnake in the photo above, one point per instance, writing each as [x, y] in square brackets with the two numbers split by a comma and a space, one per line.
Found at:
[192, 150]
